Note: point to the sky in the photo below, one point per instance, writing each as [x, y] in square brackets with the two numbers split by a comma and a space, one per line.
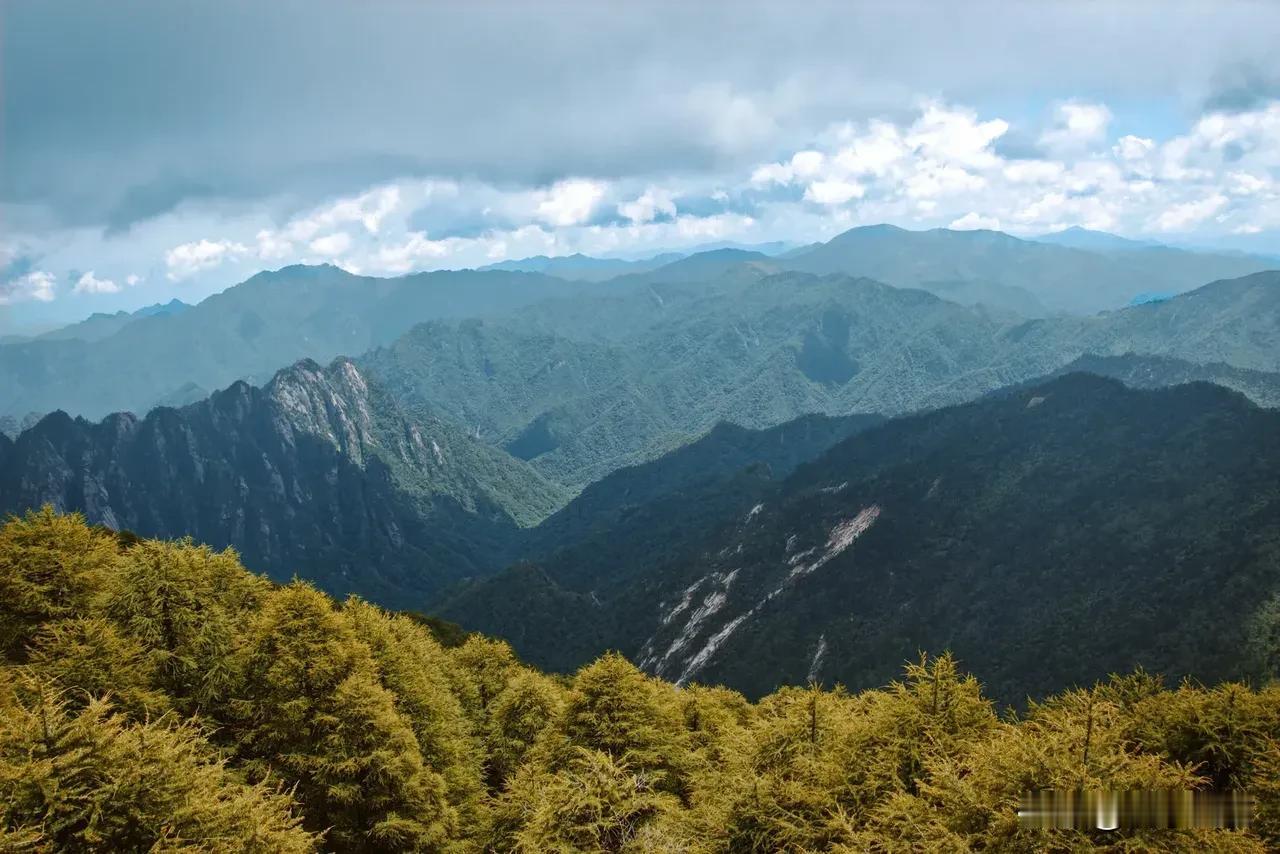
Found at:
[159, 150]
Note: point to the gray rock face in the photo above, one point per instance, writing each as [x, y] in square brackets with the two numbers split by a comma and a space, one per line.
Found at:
[316, 473]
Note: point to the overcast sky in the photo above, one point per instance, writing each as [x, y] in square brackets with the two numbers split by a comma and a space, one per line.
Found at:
[158, 149]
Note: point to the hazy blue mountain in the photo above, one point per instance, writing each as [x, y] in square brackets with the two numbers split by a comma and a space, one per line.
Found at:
[101, 325]
[1048, 536]
[668, 360]
[583, 268]
[755, 349]
[249, 331]
[1084, 238]
[317, 470]
[1059, 278]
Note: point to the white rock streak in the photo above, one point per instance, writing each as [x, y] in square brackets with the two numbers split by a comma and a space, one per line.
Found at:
[841, 537]
[818, 654]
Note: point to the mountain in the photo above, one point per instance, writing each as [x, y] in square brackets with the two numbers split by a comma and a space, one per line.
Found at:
[657, 363]
[248, 332]
[1159, 371]
[11, 426]
[1048, 537]
[624, 526]
[1084, 238]
[1234, 321]
[317, 469]
[1004, 271]
[583, 268]
[100, 325]
[753, 348]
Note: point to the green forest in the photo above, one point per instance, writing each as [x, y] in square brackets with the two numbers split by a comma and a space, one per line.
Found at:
[158, 696]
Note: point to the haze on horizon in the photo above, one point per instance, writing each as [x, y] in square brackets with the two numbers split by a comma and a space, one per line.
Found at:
[151, 150]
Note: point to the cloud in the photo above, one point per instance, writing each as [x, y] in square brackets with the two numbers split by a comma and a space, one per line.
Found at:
[332, 245]
[35, 286]
[835, 192]
[973, 220]
[1242, 86]
[1184, 216]
[1076, 126]
[272, 246]
[648, 206]
[188, 259]
[368, 209]
[939, 164]
[91, 284]
[132, 280]
[569, 202]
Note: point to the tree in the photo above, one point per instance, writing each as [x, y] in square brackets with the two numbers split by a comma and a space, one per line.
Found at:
[88, 658]
[524, 710]
[51, 567]
[315, 715]
[187, 605]
[86, 780]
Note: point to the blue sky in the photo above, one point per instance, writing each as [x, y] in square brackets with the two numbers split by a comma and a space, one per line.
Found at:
[150, 150]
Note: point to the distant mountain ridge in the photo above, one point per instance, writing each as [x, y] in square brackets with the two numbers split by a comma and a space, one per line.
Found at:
[249, 332]
[275, 318]
[1060, 278]
[663, 361]
[99, 325]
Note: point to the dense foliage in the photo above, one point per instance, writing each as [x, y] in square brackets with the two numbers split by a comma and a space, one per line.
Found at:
[1048, 535]
[158, 696]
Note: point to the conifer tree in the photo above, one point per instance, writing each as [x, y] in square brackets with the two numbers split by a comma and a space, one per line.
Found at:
[85, 780]
[520, 714]
[187, 605]
[87, 657]
[51, 567]
[315, 715]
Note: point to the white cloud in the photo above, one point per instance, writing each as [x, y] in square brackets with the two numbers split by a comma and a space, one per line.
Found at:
[1077, 126]
[569, 202]
[833, 192]
[940, 166]
[1247, 229]
[132, 279]
[36, 286]
[1184, 216]
[418, 247]
[91, 284]
[772, 173]
[188, 259]
[973, 220]
[272, 246]
[369, 209]
[331, 245]
[647, 207]
[1134, 148]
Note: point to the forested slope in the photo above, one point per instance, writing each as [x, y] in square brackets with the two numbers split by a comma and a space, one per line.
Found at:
[157, 696]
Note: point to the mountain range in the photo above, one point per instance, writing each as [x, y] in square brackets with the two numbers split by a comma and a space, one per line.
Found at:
[276, 318]
[1048, 536]
[733, 466]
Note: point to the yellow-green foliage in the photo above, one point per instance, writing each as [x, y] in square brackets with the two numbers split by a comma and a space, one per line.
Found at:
[158, 696]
